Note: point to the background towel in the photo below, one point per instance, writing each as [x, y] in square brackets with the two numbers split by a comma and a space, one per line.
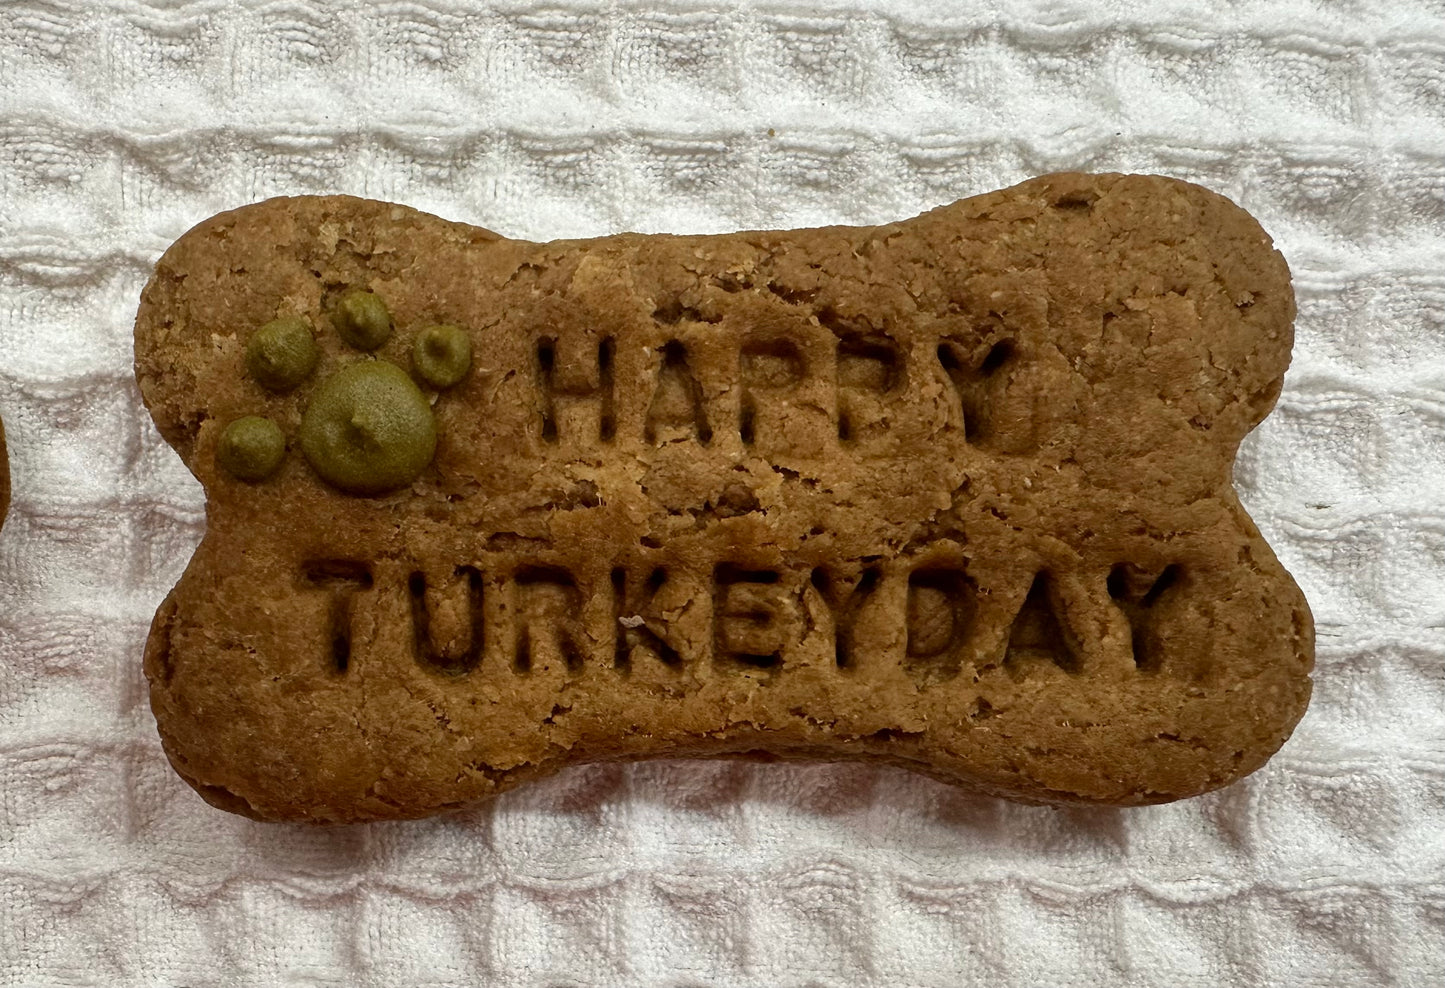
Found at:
[124, 122]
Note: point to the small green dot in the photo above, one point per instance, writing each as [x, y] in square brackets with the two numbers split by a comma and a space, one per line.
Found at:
[362, 319]
[442, 355]
[369, 429]
[251, 448]
[282, 353]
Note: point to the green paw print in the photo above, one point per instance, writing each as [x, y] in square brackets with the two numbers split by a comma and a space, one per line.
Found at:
[368, 428]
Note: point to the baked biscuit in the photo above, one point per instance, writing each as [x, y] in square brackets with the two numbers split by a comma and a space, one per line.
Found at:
[951, 493]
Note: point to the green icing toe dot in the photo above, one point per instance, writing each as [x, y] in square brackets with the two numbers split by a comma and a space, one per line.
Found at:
[362, 319]
[282, 353]
[368, 429]
[251, 448]
[442, 355]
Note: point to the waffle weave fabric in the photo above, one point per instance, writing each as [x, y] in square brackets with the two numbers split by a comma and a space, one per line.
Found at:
[124, 122]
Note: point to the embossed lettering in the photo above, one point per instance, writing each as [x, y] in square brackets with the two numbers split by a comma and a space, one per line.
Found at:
[756, 614]
[549, 611]
[748, 616]
[1136, 591]
[868, 368]
[765, 366]
[942, 604]
[341, 578]
[566, 384]
[676, 410]
[975, 378]
[845, 600]
[1037, 634]
[633, 630]
[447, 620]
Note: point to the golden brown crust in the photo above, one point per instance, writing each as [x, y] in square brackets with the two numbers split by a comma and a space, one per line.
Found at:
[951, 493]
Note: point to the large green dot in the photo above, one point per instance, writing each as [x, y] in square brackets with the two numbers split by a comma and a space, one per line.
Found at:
[362, 319]
[368, 429]
[251, 448]
[442, 355]
[282, 353]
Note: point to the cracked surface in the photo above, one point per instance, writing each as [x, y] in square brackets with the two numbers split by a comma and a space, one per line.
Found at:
[951, 493]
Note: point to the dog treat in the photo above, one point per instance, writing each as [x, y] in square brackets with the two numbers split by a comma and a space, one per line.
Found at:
[951, 494]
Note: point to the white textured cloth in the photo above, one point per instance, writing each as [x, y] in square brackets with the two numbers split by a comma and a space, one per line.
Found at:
[124, 122]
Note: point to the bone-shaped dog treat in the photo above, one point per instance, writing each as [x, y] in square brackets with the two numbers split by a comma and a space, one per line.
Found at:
[951, 494]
